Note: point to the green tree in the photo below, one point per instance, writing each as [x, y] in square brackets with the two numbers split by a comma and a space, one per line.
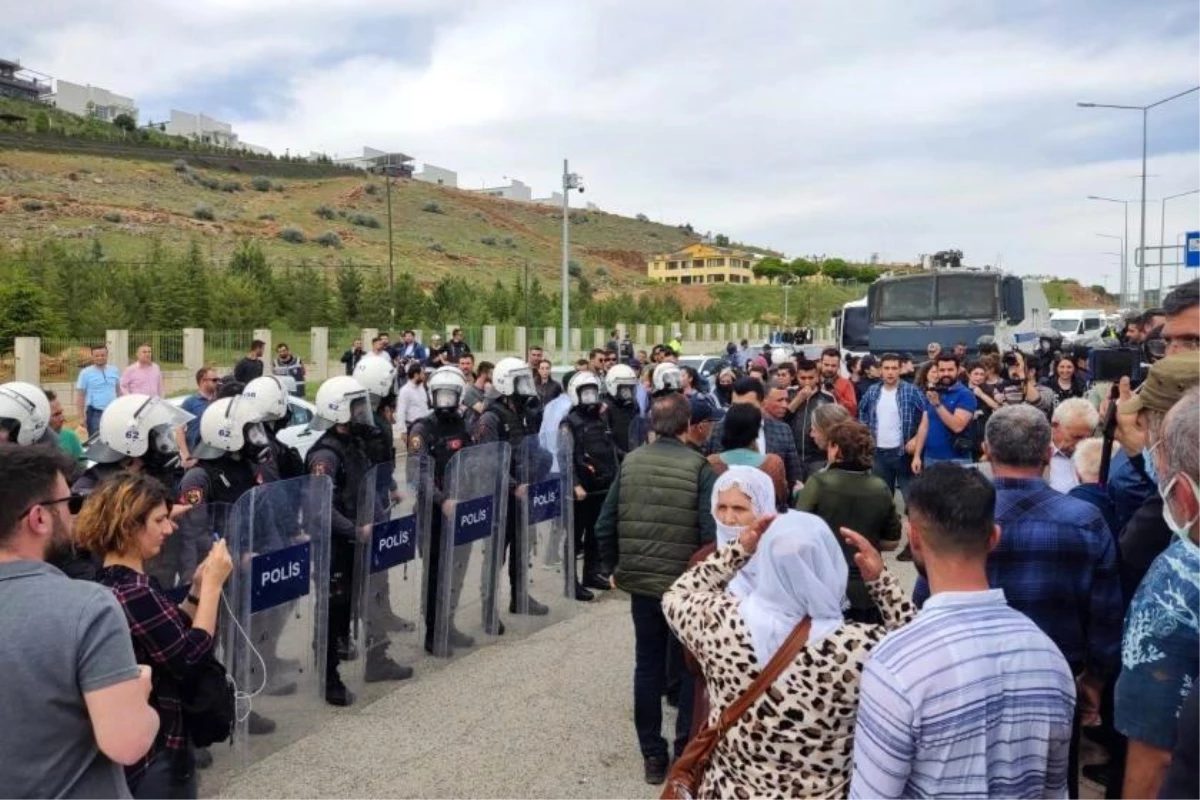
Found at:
[25, 311]
[801, 267]
[350, 291]
[125, 122]
[721, 240]
[837, 269]
[41, 122]
[770, 268]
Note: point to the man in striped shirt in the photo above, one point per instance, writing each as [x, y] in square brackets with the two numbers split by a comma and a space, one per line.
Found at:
[971, 699]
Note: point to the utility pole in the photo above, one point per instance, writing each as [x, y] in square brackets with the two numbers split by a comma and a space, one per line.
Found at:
[387, 179]
[569, 181]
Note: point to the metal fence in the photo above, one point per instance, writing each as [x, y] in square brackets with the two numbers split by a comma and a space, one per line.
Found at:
[166, 347]
[63, 357]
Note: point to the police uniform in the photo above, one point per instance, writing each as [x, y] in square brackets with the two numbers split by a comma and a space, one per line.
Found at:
[501, 423]
[439, 438]
[345, 460]
[620, 420]
[595, 457]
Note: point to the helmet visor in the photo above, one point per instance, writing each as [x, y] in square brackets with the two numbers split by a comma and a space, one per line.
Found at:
[444, 397]
[523, 385]
[589, 395]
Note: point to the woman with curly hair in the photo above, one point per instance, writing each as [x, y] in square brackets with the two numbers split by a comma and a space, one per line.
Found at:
[125, 521]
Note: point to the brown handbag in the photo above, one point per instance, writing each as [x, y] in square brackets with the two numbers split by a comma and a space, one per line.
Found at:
[688, 770]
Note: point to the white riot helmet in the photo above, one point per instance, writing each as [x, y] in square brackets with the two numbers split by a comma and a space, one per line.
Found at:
[24, 412]
[779, 356]
[621, 382]
[341, 401]
[446, 387]
[266, 399]
[227, 426]
[667, 378]
[584, 389]
[138, 426]
[512, 377]
[377, 374]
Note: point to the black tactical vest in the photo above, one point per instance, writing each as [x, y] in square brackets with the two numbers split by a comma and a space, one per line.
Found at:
[228, 479]
[347, 483]
[595, 453]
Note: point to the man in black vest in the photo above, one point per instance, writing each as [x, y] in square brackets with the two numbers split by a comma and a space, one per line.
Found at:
[344, 411]
[439, 436]
[268, 400]
[657, 514]
[595, 462]
[513, 417]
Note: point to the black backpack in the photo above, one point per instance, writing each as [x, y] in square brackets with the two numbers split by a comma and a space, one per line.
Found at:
[208, 706]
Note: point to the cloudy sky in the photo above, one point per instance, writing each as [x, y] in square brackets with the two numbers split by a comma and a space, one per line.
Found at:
[843, 127]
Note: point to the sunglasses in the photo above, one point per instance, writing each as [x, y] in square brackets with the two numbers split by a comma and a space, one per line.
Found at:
[74, 504]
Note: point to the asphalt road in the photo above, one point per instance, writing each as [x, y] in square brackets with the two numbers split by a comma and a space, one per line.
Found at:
[548, 715]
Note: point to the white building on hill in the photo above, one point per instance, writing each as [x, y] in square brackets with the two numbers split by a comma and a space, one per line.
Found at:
[514, 191]
[90, 101]
[438, 175]
[207, 130]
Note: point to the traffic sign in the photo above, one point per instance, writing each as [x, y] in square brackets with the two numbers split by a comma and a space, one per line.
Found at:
[1192, 260]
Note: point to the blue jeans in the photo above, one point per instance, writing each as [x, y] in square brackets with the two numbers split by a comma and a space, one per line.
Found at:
[652, 647]
[93, 420]
[894, 466]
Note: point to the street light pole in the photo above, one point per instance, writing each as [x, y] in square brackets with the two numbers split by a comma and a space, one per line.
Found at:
[1124, 245]
[1162, 235]
[1145, 127]
[787, 285]
[569, 181]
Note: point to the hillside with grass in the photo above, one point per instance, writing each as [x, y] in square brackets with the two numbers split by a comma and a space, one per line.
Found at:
[126, 203]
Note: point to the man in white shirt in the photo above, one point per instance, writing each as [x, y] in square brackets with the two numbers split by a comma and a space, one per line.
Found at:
[1074, 420]
[412, 402]
[971, 698]
[892, 411]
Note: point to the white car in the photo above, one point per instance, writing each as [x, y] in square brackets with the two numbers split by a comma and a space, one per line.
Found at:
[297, 434]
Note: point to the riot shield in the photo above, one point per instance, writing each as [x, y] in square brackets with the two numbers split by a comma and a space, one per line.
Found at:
[276, 644]
[544, 552]
[468, 543]
[393, 516]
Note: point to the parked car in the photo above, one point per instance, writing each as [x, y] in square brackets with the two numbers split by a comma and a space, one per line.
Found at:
[298, 434]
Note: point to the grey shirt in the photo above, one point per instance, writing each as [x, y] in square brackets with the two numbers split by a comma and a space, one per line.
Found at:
[61, 639]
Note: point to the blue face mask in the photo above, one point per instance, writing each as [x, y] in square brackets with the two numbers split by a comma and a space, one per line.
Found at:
[1148, 460]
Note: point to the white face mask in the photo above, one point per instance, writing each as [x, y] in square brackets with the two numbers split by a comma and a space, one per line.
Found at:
[727, 533]
[1181, 529]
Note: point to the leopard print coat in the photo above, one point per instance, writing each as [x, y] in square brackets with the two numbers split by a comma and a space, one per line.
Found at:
[796, 740]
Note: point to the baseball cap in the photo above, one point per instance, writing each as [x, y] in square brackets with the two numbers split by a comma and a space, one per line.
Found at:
[1166, 383]
[704, 410]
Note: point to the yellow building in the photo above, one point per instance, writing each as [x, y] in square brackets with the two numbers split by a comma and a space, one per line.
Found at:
[704, 263]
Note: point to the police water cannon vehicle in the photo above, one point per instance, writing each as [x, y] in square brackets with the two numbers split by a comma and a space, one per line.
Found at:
[951, 304]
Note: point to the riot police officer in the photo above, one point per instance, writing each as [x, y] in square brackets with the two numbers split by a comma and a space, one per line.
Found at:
[667, 378]
[439, 436]
[377, 374]
[24, 414]
[513, 416]
[344, 413]
[266, 399]
[595, 466]
[620, 404]
[137, 432]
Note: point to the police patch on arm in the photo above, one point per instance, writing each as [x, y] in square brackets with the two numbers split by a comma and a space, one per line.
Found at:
[191, 497]
[414, 444]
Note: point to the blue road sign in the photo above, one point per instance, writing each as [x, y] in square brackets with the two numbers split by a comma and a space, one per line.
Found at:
[1192, 260]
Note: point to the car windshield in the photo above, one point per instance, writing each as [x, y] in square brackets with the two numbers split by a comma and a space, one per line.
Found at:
[1065, 325]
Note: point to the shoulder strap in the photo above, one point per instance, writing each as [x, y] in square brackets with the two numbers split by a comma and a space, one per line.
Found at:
[784, 656]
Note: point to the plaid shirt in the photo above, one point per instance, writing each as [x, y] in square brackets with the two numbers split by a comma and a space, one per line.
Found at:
[1057, 564]
[909, 401]
[163, 638]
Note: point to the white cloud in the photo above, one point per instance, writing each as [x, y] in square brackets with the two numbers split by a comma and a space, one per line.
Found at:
[811, 127]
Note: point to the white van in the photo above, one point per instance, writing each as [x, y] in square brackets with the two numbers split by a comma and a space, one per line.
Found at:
[1075, 323]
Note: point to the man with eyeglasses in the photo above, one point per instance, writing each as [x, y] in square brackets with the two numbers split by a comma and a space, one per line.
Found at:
[194, 404]
[70, 676]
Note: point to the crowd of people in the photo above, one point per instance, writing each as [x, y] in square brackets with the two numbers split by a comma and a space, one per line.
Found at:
[743, 513]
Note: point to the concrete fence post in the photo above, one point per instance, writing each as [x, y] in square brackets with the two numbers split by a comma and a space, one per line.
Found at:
[28, 367]
[264, 336]
[117, 342]
[193, 349]
[520, 341]
[318, 364]
[489, 342]
[576, 345]
[640, 336]
[549, 345]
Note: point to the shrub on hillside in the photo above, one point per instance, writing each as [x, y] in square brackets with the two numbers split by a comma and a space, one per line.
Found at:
[277, 187]
[203, 212]
[437, 247]
[112, 216]
[180, 165]
[432, 208]
[33, 205]
[324, 212]
[490, 241]
[371, 188]
[292, 234]
[330, 239]
[211, 184]
[231, 186]
[268, 217]
[574, 269]
[261, 184]
[642, 218]
[508, 242]
[364, 220]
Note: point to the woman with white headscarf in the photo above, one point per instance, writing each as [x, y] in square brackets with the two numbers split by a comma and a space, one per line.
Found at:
[734, 611]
